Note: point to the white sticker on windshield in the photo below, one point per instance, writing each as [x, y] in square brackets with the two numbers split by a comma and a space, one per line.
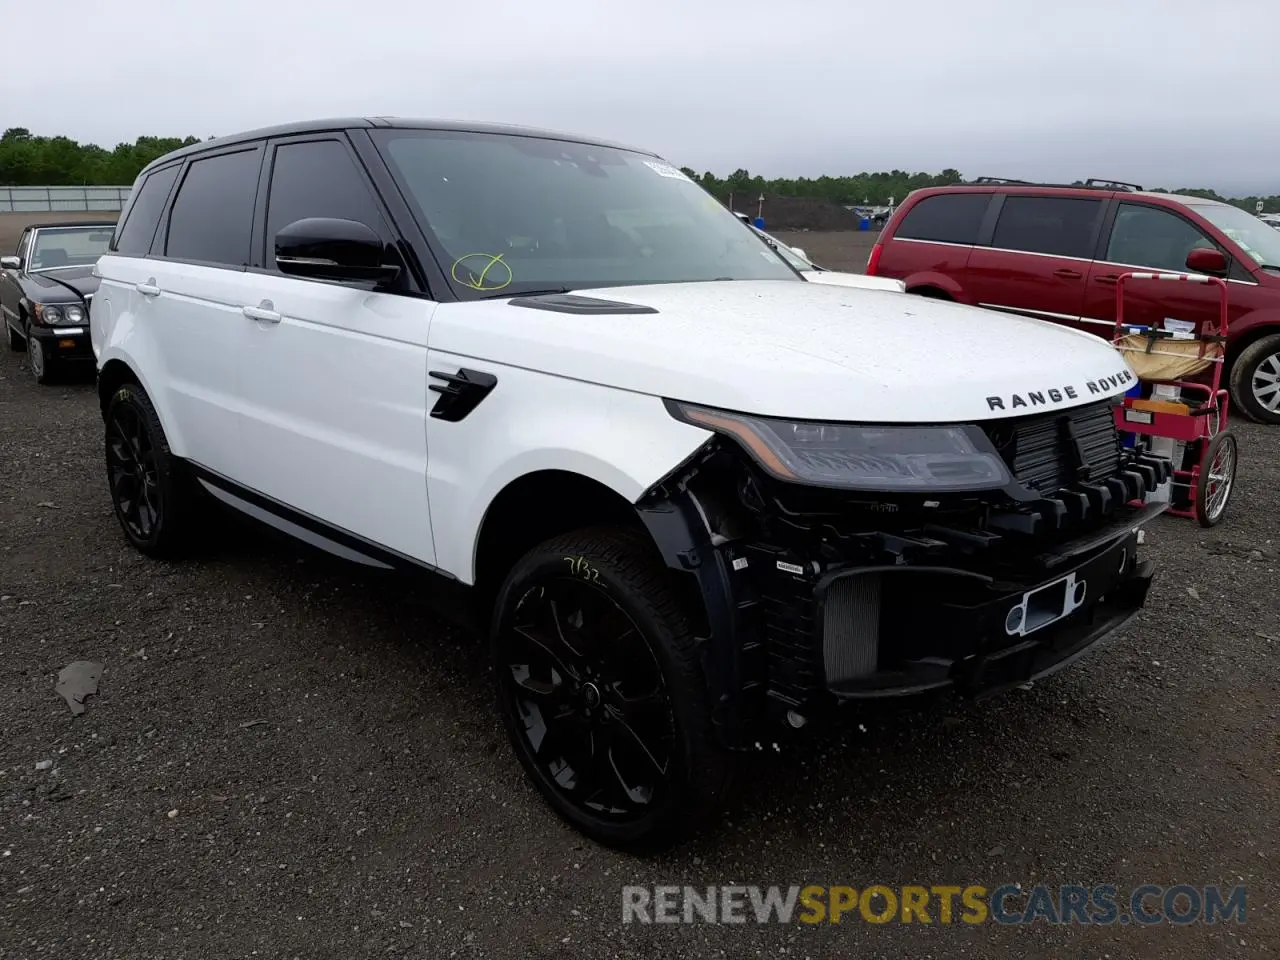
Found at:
[665, 170]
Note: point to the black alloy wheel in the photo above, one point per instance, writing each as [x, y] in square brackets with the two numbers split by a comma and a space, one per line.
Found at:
[600, 692]
[133, 473]
[590, 694]
[150, 489]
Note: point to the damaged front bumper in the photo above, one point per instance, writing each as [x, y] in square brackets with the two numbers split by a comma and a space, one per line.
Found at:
[807, 608]
[901, 630]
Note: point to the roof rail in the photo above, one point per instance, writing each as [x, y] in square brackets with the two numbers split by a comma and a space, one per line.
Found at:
[1094, 183]
[1113, 185]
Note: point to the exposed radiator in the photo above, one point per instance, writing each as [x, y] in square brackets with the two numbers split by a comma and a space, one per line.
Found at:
[851, 627]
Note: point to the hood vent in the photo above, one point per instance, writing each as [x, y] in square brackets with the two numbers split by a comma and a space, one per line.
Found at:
[575, 303]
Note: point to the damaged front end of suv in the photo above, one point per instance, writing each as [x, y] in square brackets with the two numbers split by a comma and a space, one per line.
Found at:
[838, 562]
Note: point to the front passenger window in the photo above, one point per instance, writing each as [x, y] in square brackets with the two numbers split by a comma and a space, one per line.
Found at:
[316, 178]
[1150, 237]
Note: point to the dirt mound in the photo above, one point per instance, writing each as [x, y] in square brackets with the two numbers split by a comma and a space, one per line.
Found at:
[801, 213]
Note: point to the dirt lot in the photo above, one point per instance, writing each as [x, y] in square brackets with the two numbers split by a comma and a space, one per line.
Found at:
[836, 250]
[289, 759]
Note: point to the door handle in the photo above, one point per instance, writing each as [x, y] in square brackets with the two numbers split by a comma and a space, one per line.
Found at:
[148, 289]
[264, 312]
[1110, 279]
[1066, 273]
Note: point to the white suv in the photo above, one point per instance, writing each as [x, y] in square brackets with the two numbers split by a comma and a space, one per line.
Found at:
[705, 500]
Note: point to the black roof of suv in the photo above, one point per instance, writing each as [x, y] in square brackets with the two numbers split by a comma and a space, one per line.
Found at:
[348, 123]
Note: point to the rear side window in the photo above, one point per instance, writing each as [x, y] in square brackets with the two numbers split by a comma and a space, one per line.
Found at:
[139, 227]
[212, 216]
[945, 218]
[1149, 237]
[1063, 226]
[316, 179]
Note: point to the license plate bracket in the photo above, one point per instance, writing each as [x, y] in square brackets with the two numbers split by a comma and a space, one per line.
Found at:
[1046, 605]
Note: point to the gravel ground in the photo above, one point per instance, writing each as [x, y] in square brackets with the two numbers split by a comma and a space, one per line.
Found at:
[289, 759]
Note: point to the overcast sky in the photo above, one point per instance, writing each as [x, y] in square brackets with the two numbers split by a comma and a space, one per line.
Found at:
[1161, 92]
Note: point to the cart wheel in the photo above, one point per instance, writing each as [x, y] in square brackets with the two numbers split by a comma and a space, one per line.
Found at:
[1217, 477]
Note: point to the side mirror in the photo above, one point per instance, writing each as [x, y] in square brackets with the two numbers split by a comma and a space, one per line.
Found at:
[10, 263]
[326, 249]
[799, 252]
[1207, 260]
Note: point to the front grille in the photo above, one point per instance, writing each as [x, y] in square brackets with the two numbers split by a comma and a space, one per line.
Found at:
[1052, 451]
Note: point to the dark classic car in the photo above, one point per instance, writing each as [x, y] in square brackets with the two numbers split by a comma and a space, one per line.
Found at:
[45, 291]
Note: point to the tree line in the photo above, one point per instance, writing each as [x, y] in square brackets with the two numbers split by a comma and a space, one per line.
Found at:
[880, 189]
[30, 160]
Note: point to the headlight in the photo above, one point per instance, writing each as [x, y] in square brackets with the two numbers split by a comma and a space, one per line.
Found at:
[71, 313]
[859, 456]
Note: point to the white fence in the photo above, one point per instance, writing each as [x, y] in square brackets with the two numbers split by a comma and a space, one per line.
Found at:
[55, 199]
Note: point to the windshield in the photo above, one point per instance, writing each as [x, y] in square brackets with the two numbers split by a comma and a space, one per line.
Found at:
[1255, 238]
[512, 214]
[68, 247]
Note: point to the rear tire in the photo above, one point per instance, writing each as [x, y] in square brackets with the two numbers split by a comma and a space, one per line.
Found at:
[151, 490]
[601, 692]
[1255, 380]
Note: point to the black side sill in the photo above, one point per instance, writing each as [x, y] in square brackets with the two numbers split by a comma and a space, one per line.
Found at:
[575, 303]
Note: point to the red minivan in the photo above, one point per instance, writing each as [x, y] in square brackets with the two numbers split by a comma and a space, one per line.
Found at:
[1054, 253]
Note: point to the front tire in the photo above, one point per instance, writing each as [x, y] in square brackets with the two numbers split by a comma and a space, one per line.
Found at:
[41, 367]
[601, 694]
[150, 489]
[1255, 380]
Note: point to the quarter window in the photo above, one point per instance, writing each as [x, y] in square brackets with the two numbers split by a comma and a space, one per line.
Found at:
[945, 218]
[139, 228]
[316, 179]
[1150, 237]
[212, 214]
[1062, 226]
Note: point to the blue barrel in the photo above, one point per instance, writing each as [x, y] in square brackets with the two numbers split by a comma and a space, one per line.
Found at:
[864, 224]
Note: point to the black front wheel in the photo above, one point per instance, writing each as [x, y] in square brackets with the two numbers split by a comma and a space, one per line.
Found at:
[601, 693]
[150, 490]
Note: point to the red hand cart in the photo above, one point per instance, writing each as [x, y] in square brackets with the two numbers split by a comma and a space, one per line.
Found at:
[1202, 483]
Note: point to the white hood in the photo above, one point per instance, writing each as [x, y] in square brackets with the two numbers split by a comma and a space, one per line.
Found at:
[800, 350]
